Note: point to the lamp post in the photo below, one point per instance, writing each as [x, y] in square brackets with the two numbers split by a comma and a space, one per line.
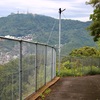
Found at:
[60, 11]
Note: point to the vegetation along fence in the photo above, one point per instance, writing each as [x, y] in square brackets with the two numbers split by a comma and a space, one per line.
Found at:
[24, 67]
[79, 66]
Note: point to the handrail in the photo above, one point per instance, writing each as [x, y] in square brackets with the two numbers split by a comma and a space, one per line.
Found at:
[21, 40]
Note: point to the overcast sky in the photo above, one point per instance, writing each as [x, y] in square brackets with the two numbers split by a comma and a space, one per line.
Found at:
[75, 9]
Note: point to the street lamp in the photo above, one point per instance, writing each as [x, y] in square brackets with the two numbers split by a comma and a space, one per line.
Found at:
[60, 11]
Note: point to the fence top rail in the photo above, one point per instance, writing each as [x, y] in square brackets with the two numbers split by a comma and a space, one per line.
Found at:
[21, 40]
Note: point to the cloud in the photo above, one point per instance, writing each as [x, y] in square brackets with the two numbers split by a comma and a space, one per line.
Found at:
[74, 8]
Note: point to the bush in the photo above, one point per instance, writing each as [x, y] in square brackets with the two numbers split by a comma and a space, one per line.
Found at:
[94, 71]
[78, 71]
[67, 65]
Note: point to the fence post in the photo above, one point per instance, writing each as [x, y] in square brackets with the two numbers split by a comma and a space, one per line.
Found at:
[36, 68]
[45, 61]
[82, 66]
[52, 64]
[91, 63]
[54, 59]
[99, 62]
[20, 71]
[55, 62]
[12, 86]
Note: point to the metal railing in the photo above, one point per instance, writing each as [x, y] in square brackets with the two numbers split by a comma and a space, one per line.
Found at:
[24, 67]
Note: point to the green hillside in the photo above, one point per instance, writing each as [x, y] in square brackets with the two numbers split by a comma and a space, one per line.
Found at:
[73, 34]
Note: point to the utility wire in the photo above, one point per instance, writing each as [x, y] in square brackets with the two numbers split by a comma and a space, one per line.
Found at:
[64, 15]
[40, 28]
[51, 31]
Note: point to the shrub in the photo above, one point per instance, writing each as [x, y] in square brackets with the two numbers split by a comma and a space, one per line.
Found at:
[67, 65]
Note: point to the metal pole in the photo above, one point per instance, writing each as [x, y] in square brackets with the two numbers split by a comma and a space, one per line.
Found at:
[45, 62]
[99, 62]
[36, 69]
[52, 65]
[60, 11]
[12, 86]
[20, 72]
[59, 39]
[55, 63]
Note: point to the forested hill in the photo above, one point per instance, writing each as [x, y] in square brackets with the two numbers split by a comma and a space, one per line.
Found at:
[44, 28]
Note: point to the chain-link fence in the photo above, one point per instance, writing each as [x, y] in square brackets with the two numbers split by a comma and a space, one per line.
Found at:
[79, 66]
[24, 67]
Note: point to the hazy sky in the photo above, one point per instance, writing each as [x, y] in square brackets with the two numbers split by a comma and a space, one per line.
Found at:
[75, 9]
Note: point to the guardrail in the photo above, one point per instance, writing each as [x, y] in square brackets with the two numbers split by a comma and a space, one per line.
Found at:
[24, 67]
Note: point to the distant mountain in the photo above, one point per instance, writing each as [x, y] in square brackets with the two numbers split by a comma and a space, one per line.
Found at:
[45, 29]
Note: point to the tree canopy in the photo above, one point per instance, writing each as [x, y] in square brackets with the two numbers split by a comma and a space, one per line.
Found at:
[95, 17]
[85, 52]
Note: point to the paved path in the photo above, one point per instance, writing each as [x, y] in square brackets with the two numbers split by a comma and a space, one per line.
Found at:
[76, 88]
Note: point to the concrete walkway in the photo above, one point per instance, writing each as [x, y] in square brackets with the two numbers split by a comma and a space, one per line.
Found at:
[76, 88]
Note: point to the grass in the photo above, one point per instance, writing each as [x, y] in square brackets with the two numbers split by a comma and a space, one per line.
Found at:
[47, 91]
[79, 71]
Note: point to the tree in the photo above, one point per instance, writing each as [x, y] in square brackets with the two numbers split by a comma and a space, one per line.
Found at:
[95, 17]
[98, 44]
[85, 52]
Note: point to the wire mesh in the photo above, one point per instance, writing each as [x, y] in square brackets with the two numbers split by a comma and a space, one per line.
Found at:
[28, 68]
[9, 70]
[49, 64]
[40, 66]
[24, 67]
[54, 64]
